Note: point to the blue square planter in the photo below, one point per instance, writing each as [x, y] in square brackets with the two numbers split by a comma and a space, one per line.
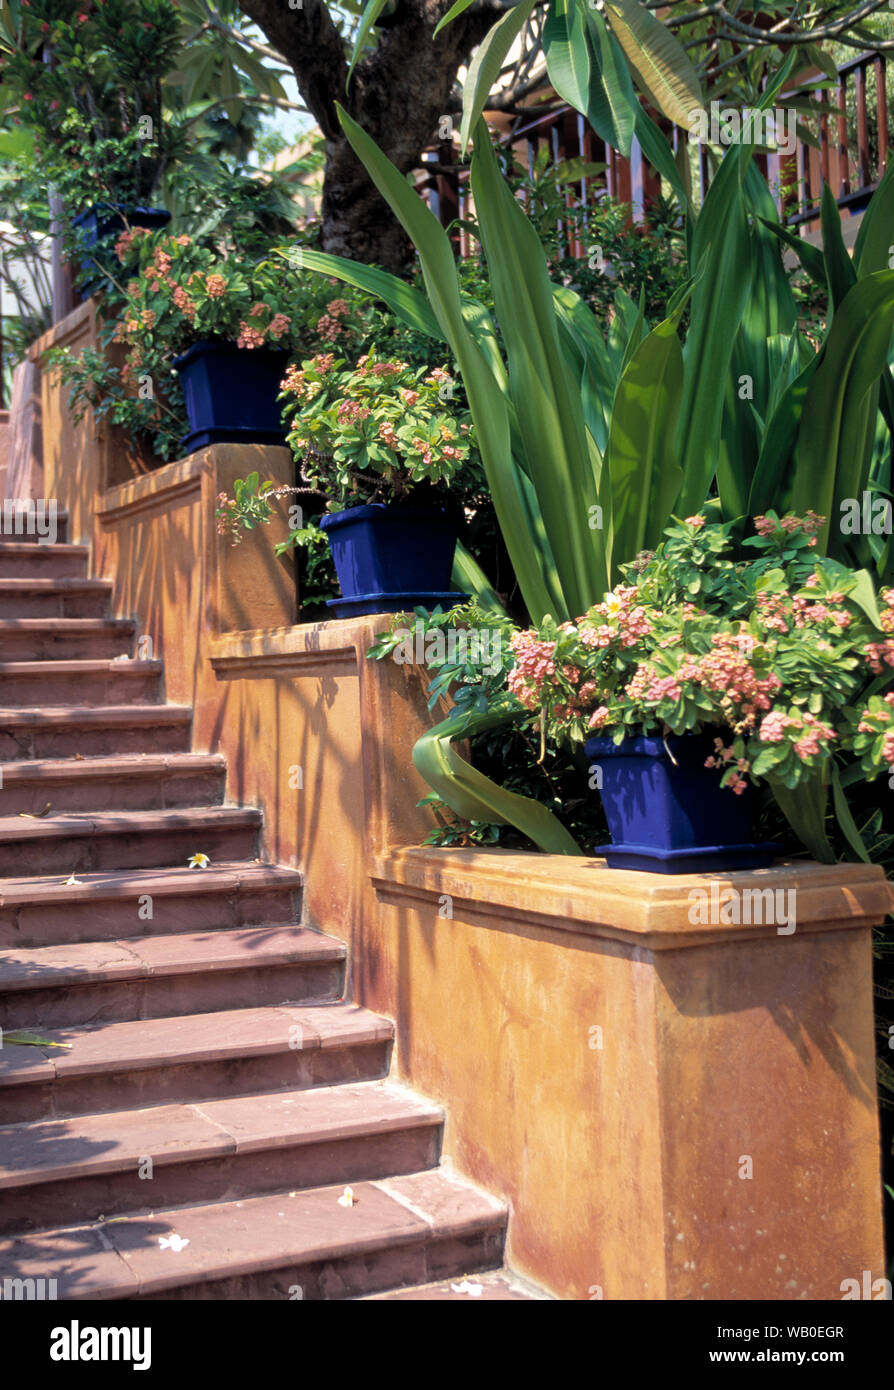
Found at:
[103, 223]
[231, 394]
[667, 812]
[391, 558]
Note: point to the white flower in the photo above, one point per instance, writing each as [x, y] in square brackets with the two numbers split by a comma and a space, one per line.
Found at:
[473, 1290]
[347, 1199]
[199, 861]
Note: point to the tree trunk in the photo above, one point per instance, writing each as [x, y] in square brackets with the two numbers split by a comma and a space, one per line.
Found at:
[398, 94]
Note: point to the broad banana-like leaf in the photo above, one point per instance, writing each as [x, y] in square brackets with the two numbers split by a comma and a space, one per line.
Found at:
[545, 394]
[644, 473]
[613, 103]
[833, 449]
[659, 154]
[475, 797]
[567, 51]
[659, 60]
[810, 256]
[522, 529]
[484, 68]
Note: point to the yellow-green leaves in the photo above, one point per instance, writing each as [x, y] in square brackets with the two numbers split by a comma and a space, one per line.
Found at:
[662, 68]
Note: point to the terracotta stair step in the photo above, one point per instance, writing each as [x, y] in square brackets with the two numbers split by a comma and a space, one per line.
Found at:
[498, 1284]
[76, 683]
[98, 840]
[20, 558]
[65, 639]
[407, 1230]
[164, 976]
[218, 1150]
[62, 598]
[141, 781]
[9, 533]
[119, 1066]
[77, 731]
[45, 910]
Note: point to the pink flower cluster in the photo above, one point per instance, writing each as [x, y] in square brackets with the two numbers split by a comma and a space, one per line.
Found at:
[881, 654]
[809, 523]
[807, 734]
[875, 722]
[534, 663]
[621, 620]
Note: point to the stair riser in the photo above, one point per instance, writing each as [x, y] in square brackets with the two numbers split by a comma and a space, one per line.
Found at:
[109, 919]
[220, 1178]
[93, 741]
[100, 688]
[350, 1277]
[62, 646]
[156, 849]
[36, 605]
[193, 1082]
[137, 792]
[169, 996]
[48, 562]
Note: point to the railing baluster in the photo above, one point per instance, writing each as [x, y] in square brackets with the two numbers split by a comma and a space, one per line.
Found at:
[844, 183]
[882, 113]
[862, 127]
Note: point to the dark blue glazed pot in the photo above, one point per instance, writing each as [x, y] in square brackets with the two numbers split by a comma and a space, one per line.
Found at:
[392, 557]
[103, 223]
[231, 394]
[667, 812]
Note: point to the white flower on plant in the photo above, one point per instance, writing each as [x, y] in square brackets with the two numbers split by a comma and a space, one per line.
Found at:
[612, 605]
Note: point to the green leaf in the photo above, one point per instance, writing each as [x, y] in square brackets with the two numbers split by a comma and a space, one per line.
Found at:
[658, 59]
[406, 302]
[810, 256]
[872, 249]
[475, 797]
[567, 53]
[521, 528]
[25, 1038]
[612, 103]
[452, 13]
[367, 21]
[486, 64]
[805, 810]
[845, 819]
[643, 468]
[469, 577]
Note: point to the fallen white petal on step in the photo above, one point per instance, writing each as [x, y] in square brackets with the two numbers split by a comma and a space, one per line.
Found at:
[473, 1290]
[347, 1199]
[172, 1242]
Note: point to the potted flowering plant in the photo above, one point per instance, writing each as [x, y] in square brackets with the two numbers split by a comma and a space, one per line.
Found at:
[224, 317]
[383, 443]
[86, 81]
[704, 674]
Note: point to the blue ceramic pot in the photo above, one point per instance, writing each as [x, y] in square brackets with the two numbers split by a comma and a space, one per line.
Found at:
[667, 812]
[230, 394]
[392, 557]
[103, 223]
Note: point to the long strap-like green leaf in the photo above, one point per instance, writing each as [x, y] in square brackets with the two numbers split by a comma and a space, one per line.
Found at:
[475, 797]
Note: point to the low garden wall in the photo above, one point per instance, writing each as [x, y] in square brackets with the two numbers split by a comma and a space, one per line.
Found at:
[677, 1104]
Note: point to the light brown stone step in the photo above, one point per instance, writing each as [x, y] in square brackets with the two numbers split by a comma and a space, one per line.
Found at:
[65, 639]
[165, 976]
[141, 781]
[218, 1150]
[72, 731]
[48, 598]
[416, 1229]
[22, 558]
[121, 1066]
[76, 683]
[67, 844]
[47, 910]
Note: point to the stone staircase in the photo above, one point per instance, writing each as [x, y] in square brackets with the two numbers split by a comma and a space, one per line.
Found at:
[216, 1095]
